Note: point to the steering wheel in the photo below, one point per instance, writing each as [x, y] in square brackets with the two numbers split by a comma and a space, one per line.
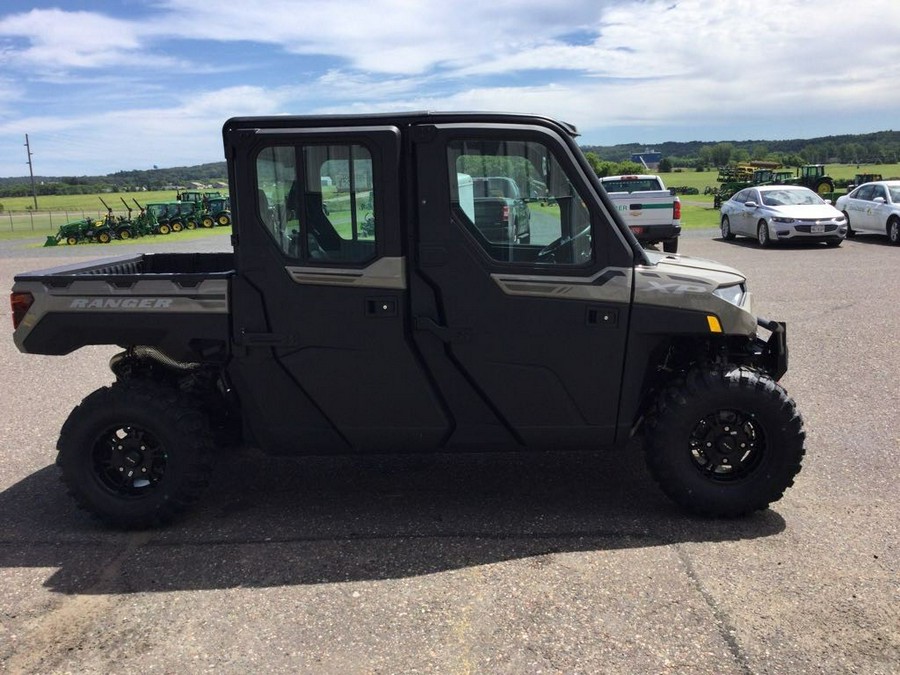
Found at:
[549, 253]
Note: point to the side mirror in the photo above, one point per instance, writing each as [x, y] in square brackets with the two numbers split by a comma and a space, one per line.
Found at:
[878, 200]
[750, 205]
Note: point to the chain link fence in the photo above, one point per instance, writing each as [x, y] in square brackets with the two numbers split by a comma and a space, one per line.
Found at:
[45, 221]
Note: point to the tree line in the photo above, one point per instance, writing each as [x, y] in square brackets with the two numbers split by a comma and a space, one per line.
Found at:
[121, 181]
[881, 147]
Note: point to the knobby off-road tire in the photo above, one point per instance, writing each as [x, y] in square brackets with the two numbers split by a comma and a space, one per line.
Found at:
[724, 441]
[135, 454]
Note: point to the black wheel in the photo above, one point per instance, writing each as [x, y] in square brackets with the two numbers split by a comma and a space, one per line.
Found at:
[71, 241]
[164, 229]
[104, 237]
[893, 231]
[724, 442]
[762, 234]
[136, 454]
[125, 233]
[671, 245]
[850, 231]
[223, 220]
[176, 226]
[207, 221]
[834, 243]
[727, 234]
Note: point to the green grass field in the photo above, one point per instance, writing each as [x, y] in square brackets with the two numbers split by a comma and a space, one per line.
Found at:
[86, 203]
[18, 222]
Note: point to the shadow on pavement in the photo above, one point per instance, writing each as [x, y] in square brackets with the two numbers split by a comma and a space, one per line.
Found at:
[271, 522]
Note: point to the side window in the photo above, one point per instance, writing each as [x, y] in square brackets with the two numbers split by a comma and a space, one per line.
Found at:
[865, 192]
[741, 196]
[317, 201]
[517, 202]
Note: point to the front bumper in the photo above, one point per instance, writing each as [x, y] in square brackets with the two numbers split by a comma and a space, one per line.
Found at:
[807, 231]
[772, 353]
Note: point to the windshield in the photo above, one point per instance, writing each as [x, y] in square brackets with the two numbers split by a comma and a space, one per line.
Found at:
[791, 198]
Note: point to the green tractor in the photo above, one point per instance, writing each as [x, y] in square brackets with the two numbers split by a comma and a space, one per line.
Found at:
[119, 226]
[71, 233]
[86, 230]
[211, 208]
[814, 177]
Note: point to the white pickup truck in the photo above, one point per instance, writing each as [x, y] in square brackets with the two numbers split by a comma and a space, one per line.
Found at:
[649, 209]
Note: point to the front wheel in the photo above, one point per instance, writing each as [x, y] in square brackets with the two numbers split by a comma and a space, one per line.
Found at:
[762, 234]
[727, 234]
[724, 441]
[136, 454]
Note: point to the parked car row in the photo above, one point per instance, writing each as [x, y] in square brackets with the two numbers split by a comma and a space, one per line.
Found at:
[780, 213]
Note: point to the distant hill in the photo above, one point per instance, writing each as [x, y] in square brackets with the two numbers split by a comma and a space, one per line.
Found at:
[152, 179]
[877, 147]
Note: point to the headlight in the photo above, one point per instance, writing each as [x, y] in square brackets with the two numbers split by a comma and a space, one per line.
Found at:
[733, 294]
[782, 220]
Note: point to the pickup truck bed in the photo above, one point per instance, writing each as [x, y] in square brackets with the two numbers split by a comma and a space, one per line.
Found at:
[175, 301]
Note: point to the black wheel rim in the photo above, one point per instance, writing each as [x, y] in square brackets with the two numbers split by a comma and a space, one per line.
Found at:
[128, 461]
[727, 445]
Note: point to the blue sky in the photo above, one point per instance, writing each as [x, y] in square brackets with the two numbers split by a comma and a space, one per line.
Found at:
[107, 86]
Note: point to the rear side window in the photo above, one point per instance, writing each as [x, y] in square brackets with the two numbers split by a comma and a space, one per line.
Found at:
[317, 201]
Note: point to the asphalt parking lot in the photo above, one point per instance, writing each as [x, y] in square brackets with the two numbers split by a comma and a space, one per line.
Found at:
[481, 564]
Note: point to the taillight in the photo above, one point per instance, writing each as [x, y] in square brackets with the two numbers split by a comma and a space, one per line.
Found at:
[506, 212]
[20, 303]
[676, 210]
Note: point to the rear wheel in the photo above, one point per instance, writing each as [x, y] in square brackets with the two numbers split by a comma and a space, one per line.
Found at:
[164, 229]
[724, 442]
[104, 237]
[762, 234]
[124, 233]
[893, 231]
[136, 454]
[223, 220]
[850, 231]
[207, 221]
[176, 226]
[191, 224]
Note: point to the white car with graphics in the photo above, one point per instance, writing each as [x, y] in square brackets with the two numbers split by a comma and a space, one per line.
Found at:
[873, 208]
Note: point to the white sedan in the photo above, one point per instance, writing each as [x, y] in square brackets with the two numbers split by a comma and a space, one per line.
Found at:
[774, 213]
[873, 207]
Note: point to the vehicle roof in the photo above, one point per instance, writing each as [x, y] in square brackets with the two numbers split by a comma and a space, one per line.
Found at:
[770, 188]
[887, 183]
[397, 118]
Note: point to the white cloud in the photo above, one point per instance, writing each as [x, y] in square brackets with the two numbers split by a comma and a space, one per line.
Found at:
[693, 68]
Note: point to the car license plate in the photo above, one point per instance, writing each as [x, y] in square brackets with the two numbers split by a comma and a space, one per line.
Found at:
[817, 228]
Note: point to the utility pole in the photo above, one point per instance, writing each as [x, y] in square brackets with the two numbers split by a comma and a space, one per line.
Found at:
[31, 172]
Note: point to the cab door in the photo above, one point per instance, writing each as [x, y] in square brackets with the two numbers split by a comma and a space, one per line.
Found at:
[323, 358]
[527, 334]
